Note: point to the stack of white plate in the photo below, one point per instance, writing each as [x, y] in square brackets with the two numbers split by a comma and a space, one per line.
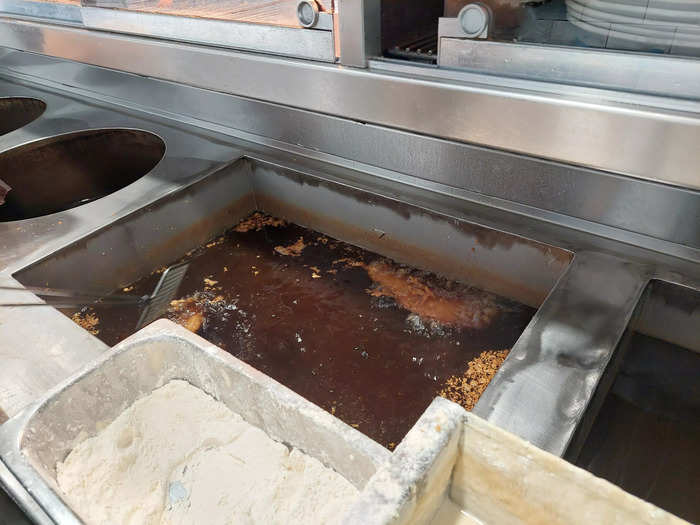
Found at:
[671, 26]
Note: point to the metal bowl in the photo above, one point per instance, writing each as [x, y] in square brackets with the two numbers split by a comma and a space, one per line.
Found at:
[62, 172]
[16, 112]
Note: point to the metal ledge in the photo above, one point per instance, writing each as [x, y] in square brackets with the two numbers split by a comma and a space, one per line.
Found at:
[278, 40]
[581, 66]
[57, 348]
[609, 136]
[643, 213]
[54, 11]
[187, 156]
[542, 390]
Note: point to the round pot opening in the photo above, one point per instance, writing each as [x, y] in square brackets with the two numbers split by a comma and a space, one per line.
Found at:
[60, 173]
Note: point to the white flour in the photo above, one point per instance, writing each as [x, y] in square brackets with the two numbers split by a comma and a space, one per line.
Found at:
[178, 456]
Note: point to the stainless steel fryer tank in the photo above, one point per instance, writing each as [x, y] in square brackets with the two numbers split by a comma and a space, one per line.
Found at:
[116, 256]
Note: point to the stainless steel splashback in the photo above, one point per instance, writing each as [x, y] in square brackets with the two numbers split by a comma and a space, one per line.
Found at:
[651, 214]
[626, 113]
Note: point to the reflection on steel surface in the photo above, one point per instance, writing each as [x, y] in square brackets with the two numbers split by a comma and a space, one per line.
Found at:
[663, 27]
[288, 41]
[565, 349]
[4, 189]
[587, 67]
[273, 12]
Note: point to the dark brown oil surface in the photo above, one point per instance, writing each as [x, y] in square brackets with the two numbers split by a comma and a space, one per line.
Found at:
[324, 337]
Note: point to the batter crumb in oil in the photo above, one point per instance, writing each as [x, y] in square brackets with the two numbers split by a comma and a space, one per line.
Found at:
[466, 389]
[257, 221]
[448, 303]
[188, 312]
[87, 320]
[293, 250]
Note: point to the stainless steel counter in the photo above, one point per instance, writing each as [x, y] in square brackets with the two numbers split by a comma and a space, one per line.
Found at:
[657, 216]
[595, 128]
[57, 348]
[545, 388]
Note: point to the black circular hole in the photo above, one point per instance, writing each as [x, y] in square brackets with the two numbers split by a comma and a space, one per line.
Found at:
[16, 112]
[66, 171]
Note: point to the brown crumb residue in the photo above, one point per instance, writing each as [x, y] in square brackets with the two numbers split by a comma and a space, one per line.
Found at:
[87, 320]
[257, 221]
[293, 250]
[447, 303]
[349, 262]
[215, 242]
[467, 389]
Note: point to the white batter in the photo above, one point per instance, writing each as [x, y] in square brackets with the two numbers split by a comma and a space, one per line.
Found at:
[178, 456]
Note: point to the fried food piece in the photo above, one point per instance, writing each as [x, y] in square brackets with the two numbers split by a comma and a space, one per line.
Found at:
[87, 320]
[293, 250]
[194, 322]
[187, 312]
[349, 262]
[456, 305]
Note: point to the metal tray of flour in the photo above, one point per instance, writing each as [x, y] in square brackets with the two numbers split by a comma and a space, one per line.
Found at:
[43, 434]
